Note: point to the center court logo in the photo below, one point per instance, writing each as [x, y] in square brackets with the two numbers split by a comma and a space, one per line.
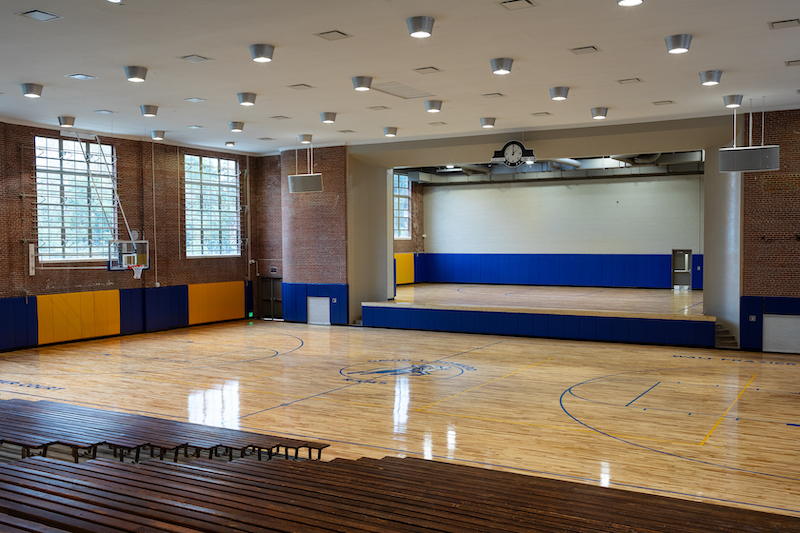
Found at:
[383, 371]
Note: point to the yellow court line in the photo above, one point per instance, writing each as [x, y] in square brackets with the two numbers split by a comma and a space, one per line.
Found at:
[728, 409]
[483, 384]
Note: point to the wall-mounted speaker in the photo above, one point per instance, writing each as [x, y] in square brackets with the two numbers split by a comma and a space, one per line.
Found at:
[305, 183]
[749, 159]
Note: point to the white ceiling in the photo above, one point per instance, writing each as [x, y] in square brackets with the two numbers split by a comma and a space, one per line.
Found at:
[99, 38]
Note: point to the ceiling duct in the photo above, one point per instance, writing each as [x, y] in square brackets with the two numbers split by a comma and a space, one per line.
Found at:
[637, 159]
[564, 162]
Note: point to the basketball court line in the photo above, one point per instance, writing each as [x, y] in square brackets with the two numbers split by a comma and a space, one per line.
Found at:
[728, 409]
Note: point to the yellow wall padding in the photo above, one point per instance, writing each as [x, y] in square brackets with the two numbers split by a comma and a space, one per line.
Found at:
[405, 268]
[77, 315]
[214, 302]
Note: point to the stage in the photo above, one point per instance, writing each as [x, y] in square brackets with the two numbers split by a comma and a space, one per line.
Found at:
[648, 316]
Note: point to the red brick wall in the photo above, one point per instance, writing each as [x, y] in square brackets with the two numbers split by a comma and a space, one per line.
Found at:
[771, 213]
[416, 243]
[266, 212]
[136, 161]
[315, 224]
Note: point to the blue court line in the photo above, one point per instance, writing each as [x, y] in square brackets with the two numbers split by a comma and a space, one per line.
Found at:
[795, 425]
[699, 461]
[694, 305]
[465, 352]
[642, 394]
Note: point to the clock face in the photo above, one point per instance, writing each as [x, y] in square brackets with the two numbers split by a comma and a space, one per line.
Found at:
[513, 154]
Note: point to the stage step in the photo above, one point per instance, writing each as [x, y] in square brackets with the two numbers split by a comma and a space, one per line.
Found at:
[724, 339]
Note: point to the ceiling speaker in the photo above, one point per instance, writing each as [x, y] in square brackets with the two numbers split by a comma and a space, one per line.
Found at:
[749, 159]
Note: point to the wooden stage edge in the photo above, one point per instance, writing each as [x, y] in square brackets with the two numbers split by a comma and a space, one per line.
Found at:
[541, 311]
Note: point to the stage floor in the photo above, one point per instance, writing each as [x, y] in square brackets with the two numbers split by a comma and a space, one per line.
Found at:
[575, 300]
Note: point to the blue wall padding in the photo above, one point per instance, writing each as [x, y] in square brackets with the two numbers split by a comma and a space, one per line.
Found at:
[166, 307]
[295, 300]
[579, 270]
[774, 305]
[751, 333]
[248, 299]
[19, 323]
[697, 272]
[637, 330]
[131, 310]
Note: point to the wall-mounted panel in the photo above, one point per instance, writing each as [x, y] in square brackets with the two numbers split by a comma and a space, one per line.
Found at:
[78, 315]
[18, 322]
[404, 268]
[215, 302]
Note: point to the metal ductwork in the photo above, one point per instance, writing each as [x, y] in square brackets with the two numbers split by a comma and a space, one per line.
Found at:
[560, 163]
[637, 159]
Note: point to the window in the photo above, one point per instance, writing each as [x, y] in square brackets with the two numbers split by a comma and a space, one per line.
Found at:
[76, 211]
[213, 222]
[402, 207]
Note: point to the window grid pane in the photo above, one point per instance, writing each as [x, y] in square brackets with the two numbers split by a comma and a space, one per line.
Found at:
[212, 207]
[76, 212]
[402, 206]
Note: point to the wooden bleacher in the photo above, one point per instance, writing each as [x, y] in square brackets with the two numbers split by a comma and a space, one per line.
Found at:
[366, 495]
[38, 425]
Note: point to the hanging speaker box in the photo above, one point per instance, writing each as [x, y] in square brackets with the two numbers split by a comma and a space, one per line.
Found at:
[749, 159]
[305, 183]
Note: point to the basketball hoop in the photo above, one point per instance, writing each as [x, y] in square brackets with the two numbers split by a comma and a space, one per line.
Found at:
[137, 270]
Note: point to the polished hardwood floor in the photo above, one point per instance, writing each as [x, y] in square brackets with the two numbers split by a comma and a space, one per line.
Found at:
[576, 300]
[699, 424]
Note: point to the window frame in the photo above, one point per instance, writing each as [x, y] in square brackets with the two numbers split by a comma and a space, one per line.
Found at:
[397, 196]
[222, 217]
[66, 191]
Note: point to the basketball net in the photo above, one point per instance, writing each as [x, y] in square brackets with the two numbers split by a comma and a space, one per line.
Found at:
[137, 271]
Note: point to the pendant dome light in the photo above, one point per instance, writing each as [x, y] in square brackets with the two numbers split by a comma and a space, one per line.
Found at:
[433, 106]
[362, 83]
[66, 122]
[136, 74]
[390, 131]
[262, 53]
[328, 117]
[157, 135]
[501, 65]
[487, 122]
[149, 110]
[32, 90]
[710, 77]
[305, 138]
[559, 93]
[236, 127]
[247, 99]
[733, 100]
[678, 44]
[599, 113]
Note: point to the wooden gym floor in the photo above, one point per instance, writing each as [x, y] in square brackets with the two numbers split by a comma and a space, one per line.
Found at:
[577, 300]
[699, 424]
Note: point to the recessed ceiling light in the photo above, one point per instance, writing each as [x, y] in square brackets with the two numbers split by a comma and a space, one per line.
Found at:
[378, 108]
[32, 90]
[280, 117]
[41, 16]
[333, 35]
[585, 50]
[494, 95]
[678, 44]
[196, 100]
[559, 93]
[362, 83]
[427, 70]
[262, 53]
[103, 112]
[230, 143]
[247, 99]
[136, 74]
[630, 81]
[629, 3]
[115, 1]
[710, 77]
[599, 113]
[732, 101]
[541, 114]
[195, 127]
[194, 58]
[433, 106]
[420, 27]
[664, 102]
[300, 86]
[83, 77]
[236, 127]
[513, 5]
[390, 131]
[782, 24]
[488, 122]
[501, 65]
